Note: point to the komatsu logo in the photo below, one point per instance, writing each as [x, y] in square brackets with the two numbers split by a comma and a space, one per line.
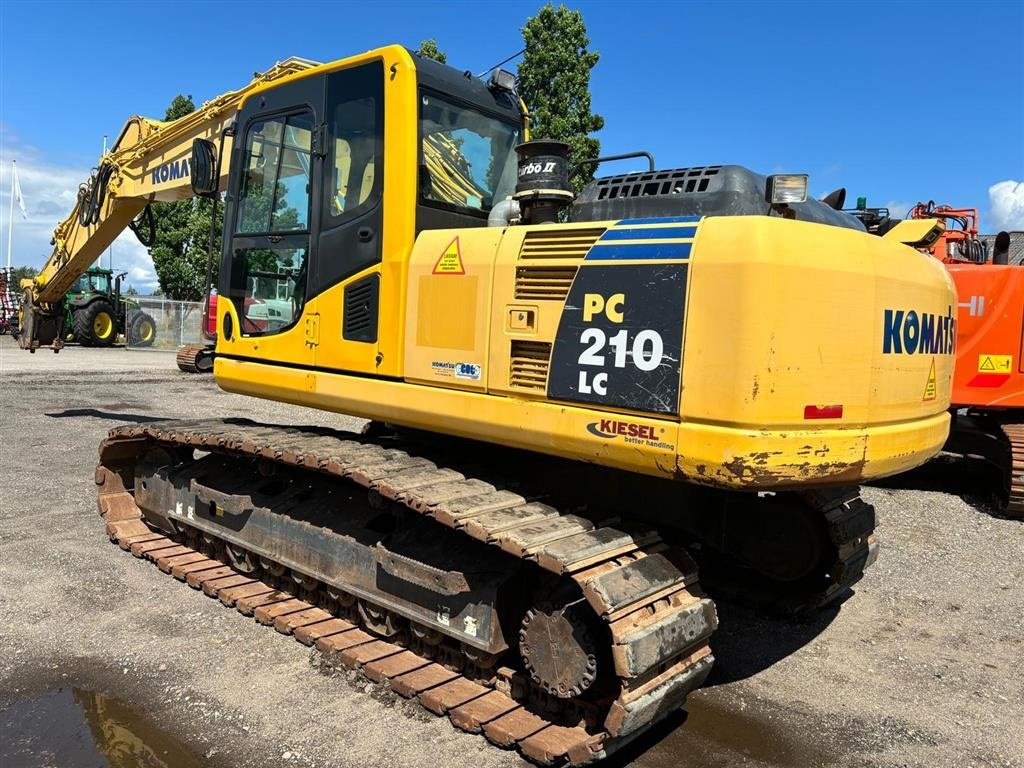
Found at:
[176, 169]
[910, 332]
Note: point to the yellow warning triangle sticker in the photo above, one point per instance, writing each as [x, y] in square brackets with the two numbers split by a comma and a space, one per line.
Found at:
[987, 364]
[450, 261]
[929, 388]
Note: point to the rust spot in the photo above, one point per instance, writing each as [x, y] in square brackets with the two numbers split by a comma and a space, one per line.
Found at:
[754, 470]
[808, 450]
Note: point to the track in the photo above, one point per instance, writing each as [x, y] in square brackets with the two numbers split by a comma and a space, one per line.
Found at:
[195, 358]
[1015, 436]
[851, 548]
[641, 594]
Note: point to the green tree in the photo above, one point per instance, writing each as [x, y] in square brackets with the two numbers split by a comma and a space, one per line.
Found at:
[180, 249]
[428, 49]
[21, 273]
[554, 81]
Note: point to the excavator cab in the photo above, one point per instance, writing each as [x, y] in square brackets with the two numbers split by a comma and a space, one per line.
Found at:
[337, 172]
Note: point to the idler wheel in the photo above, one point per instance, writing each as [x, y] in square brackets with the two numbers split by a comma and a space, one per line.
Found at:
[558, 648]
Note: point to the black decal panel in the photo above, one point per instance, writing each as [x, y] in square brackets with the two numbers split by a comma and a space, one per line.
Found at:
[619, 341]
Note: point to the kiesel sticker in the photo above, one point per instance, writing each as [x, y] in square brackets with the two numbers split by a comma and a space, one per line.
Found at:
[450, 261]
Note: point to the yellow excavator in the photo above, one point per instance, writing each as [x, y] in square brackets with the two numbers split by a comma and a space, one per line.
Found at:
[572, 401]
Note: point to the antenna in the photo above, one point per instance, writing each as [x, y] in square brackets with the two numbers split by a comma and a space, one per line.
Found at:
[503, 61]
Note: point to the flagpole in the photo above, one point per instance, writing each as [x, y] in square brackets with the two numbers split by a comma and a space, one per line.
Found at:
[10, 218]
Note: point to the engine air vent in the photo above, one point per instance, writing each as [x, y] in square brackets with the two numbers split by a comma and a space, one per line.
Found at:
[543, 283]
[362, 303]
[559, 243]
[679, 181]
[528, 368]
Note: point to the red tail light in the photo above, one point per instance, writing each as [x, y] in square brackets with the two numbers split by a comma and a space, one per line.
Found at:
[210, 317]
[823, 411]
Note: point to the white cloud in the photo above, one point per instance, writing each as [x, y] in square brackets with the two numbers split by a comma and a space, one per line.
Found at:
[898, 209]
[49, 190]
[1006, 205]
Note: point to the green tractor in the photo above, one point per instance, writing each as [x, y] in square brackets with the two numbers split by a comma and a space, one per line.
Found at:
[97, 314]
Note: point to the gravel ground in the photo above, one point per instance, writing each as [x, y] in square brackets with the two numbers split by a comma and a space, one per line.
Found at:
[921, 666]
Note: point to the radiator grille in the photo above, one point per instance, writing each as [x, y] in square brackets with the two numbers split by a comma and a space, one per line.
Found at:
[559, 243]
[529, 365]
[544, 283]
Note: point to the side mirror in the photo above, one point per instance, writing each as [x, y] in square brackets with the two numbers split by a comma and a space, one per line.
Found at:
[204, 168]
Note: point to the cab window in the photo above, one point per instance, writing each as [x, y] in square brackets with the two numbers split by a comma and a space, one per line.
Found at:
[270, 250]
[467, 157]
[354, 167]
[275, 187]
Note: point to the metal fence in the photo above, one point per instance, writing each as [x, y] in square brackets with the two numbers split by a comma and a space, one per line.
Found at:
[173, 323]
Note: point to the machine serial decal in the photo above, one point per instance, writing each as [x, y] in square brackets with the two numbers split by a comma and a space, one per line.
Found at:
[450, 260]
[619, 340]
[909, 332]
[176, 169]
[469, 371]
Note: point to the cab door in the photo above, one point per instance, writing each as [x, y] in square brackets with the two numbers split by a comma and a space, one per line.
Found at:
[272, 208]
[349, 279]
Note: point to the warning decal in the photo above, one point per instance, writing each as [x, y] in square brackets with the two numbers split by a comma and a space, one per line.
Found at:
[450, 261]
[995, 363]
[929, 388]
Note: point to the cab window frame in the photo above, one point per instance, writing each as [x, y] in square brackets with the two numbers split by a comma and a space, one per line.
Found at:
[242, 241]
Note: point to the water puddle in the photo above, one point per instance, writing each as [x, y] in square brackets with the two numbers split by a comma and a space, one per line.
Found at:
[719, 735]
[78, 728]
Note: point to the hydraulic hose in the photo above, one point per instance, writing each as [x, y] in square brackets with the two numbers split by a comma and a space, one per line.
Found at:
[92, 196]
[148, 220]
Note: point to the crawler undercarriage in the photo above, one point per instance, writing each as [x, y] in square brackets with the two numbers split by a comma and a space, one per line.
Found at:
[526, 598]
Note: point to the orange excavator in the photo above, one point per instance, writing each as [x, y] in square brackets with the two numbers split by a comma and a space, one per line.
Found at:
[988, 379]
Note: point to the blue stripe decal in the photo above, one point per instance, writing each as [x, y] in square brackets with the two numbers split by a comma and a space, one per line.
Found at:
[618, 251]
[665, 220]
[649, 234]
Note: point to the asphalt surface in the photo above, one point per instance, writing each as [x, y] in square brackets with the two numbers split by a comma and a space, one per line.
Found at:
[921, 666]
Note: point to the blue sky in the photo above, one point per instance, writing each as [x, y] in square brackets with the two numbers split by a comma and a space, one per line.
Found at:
[896, 101]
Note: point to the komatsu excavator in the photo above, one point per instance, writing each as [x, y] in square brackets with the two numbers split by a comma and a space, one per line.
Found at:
[568, 400]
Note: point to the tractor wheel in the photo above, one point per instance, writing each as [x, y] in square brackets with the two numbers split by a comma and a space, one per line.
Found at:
[141, 329]
[95, 325]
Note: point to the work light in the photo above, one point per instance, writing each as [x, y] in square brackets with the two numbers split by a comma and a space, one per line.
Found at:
[786, 188]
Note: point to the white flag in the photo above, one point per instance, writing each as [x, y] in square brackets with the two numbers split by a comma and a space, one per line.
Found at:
[17, 193]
